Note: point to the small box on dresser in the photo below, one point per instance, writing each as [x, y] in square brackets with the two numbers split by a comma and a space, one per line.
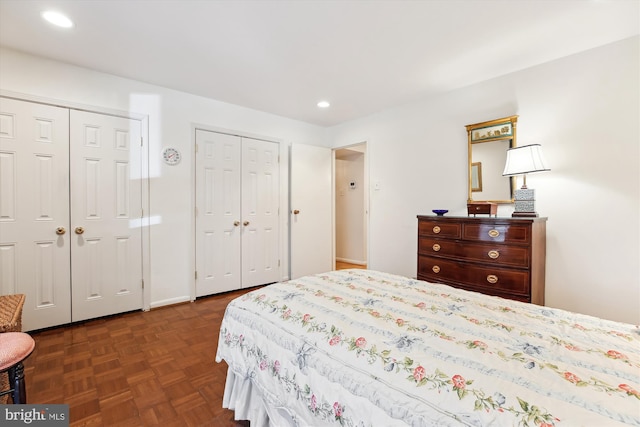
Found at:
[504, 257]
[478, 208]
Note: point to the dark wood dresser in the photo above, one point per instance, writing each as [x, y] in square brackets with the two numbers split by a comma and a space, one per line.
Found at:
[504, 257]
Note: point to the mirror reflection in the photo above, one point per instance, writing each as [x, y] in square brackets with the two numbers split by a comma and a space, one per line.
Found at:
[488, 144]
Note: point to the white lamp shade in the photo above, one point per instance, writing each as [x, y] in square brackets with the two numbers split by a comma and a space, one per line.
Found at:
[525, 159]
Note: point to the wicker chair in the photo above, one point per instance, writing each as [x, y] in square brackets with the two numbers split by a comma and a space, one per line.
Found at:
[10, 321]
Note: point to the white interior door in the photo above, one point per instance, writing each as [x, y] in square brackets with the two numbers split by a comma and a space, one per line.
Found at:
[218, 215]
[34, 210]
[311, 248]
[106, 213]
[260, 206]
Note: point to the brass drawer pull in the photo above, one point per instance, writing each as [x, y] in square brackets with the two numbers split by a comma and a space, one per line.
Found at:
[493, 254]
[436, 269]
[436, 229]
[492, 278]
[494, 233]
[436, 247]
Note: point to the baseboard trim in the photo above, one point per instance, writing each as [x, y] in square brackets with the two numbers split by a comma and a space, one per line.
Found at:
[169, 301]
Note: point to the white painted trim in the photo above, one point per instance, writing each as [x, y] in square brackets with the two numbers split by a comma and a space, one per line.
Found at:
[170, 301]
[333, 209]
[192, 231]
[70, 105]
[146, 222]
[234, 132]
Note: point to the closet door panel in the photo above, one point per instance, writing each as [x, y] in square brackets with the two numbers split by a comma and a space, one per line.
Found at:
[34, 210]
[218, 215]
[260, 203]
[106, 208]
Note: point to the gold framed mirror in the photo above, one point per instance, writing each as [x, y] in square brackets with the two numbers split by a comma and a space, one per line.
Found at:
[488, 144]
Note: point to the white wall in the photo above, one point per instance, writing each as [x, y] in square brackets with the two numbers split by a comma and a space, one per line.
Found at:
[584, 110]
[171, 116]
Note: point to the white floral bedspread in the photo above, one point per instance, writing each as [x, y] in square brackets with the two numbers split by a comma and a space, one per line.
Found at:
[364, 348]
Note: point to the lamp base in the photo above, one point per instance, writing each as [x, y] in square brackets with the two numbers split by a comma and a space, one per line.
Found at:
[524, 214]
[525, 203]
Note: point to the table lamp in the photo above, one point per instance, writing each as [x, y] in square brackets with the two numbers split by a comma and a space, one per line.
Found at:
[521, 161]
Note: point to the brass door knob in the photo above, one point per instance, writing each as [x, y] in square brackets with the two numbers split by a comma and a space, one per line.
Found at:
[236, 223]
[435, 269]
[79, 230]
[60, 231]
[493, 254]
[296, 211]
[492, 278]
[436, 229]
[245, 223]
[436, 247]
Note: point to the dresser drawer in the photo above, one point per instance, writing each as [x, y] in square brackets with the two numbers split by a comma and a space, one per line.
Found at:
[493, 280]
[452, 230]
[487, 253]
[504, 233]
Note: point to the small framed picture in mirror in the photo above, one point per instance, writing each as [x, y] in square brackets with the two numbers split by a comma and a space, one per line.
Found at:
[476, 176]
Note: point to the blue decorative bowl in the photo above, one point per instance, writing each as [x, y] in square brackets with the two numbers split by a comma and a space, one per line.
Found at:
[440, 212]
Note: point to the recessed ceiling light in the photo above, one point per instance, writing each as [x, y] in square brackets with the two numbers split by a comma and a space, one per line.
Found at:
[323, 104]
[57, 18]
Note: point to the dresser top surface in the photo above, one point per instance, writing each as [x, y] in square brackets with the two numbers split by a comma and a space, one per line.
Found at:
[480, 219]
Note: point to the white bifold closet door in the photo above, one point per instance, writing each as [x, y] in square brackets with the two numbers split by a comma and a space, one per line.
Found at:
[70, 211]
[237, 210]
[35, 249]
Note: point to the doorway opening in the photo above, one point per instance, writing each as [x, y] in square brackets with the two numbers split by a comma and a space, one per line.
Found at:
[351, 207]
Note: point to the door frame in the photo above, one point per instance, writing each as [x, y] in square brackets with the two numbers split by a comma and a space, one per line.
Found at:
[145, 222]
[283, 205]
[367, 198]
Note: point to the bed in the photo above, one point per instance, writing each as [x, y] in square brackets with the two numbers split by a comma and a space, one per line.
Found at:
[366, 348]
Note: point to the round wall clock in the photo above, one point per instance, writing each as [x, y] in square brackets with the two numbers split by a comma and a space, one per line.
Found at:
[171, 156]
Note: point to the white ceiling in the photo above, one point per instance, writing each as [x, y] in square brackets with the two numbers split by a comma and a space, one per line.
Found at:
[282, 57]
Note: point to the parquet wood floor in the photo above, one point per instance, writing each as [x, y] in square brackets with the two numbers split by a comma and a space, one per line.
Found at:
[136, 369]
